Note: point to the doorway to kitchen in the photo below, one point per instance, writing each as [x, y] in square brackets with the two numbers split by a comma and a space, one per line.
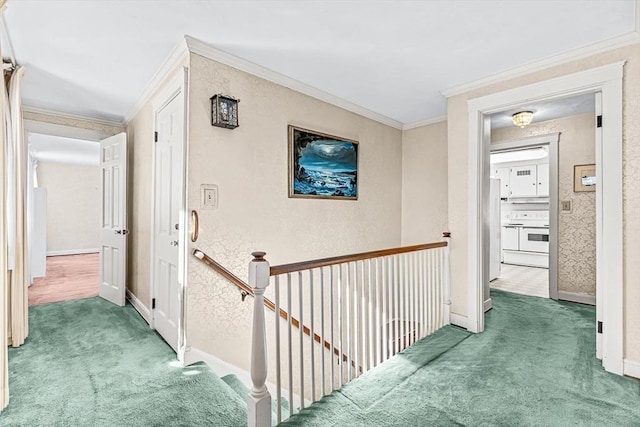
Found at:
[523, 186]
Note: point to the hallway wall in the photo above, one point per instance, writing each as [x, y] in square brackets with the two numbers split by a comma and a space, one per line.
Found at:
[424, 183]
[249, 164]
[73, 206]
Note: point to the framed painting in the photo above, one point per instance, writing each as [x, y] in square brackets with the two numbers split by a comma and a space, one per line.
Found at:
[584, 178]
[322, 166]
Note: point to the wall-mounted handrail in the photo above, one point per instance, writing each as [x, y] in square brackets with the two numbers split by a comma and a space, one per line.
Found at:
[245, 288]
[324, 262]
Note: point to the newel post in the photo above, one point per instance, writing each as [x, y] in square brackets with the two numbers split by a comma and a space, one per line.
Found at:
[446, 278]
[259, 399]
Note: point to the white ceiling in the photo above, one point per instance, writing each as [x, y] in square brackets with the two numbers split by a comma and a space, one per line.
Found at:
[393, 57]
[56, 149]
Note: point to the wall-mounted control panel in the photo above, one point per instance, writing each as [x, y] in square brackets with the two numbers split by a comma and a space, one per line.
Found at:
[209, 196]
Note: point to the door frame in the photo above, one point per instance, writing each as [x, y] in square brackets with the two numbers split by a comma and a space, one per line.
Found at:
[175, 86]
[551, 140]
[609, 214]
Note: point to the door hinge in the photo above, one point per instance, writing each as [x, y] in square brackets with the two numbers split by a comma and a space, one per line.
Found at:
[153, 303]
[155, 136]
[599, 122]
[599, 327]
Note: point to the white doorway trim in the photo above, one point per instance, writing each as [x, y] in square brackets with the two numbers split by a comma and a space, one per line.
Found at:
[608, 81]
[175, 86]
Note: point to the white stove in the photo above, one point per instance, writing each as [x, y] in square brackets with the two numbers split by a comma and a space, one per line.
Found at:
[525, 238]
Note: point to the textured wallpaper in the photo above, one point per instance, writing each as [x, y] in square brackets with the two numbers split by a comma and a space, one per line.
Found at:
[77, 123]
[424, 183]
[576, 229]
[249, 165]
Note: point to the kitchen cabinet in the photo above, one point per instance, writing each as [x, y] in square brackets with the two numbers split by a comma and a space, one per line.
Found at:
[503, 175]
[543, 180]
[523, 181]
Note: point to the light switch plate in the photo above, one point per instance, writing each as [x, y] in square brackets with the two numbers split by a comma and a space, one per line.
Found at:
[565, 206]
[209, 196]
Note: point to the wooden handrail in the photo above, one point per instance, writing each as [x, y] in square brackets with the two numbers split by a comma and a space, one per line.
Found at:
[324, 262]
[244, 287]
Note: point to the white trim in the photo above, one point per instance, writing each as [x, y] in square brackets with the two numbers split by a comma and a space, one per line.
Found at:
[552, 61]
[488, 305]
[459, 320]
[73, 252]
[631, 368]
[175, 58]
[45, 128]
[139, 306]
[206, 50]
[71, 116]
[607, 80]
[575, 297]
[221, 368]
[425, 122]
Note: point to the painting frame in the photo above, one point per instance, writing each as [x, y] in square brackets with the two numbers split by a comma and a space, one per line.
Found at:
[582, 172]
[314, 176]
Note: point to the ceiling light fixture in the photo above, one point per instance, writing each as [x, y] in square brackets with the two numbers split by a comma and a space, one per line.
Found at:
[522, 118]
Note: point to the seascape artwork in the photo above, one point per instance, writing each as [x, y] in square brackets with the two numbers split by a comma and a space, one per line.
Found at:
[322, 166]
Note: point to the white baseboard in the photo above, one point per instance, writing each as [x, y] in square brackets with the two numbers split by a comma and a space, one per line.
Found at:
[73, 252]
[488, 305]
[631, 368]
[139, 306]
[459, 320]
[580, 298]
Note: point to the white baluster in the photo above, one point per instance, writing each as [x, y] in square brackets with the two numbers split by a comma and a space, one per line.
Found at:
[278, 367]
[446, 279]
[259, 399]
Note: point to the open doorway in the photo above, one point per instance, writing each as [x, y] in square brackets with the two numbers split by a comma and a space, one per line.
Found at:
[64, 210]
[606, 83]
[546, 223]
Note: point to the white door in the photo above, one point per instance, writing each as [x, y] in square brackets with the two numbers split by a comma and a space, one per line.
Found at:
[523, 181]
[113, 227]
[168, 201]
[543, 180]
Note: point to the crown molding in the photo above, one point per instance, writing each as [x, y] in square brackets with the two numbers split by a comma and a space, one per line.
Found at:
[562, 58]
[425, 122]
[175, 58]
[70, 116]
[206, 50]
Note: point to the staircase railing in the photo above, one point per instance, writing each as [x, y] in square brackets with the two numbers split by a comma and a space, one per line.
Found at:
[362, 308]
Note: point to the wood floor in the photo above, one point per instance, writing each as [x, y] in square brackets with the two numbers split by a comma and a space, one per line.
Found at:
[68, 277]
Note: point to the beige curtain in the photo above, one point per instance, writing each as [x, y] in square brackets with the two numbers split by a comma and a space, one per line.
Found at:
[19, 278]
[4, 279]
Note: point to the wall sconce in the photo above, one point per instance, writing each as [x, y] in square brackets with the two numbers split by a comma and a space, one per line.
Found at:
[224, 111]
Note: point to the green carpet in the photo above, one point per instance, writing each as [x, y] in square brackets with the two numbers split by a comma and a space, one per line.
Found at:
[534, 366]
[90, 363]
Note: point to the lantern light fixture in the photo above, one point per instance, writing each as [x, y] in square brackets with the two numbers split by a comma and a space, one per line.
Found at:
[224, 111]
[522, 118]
